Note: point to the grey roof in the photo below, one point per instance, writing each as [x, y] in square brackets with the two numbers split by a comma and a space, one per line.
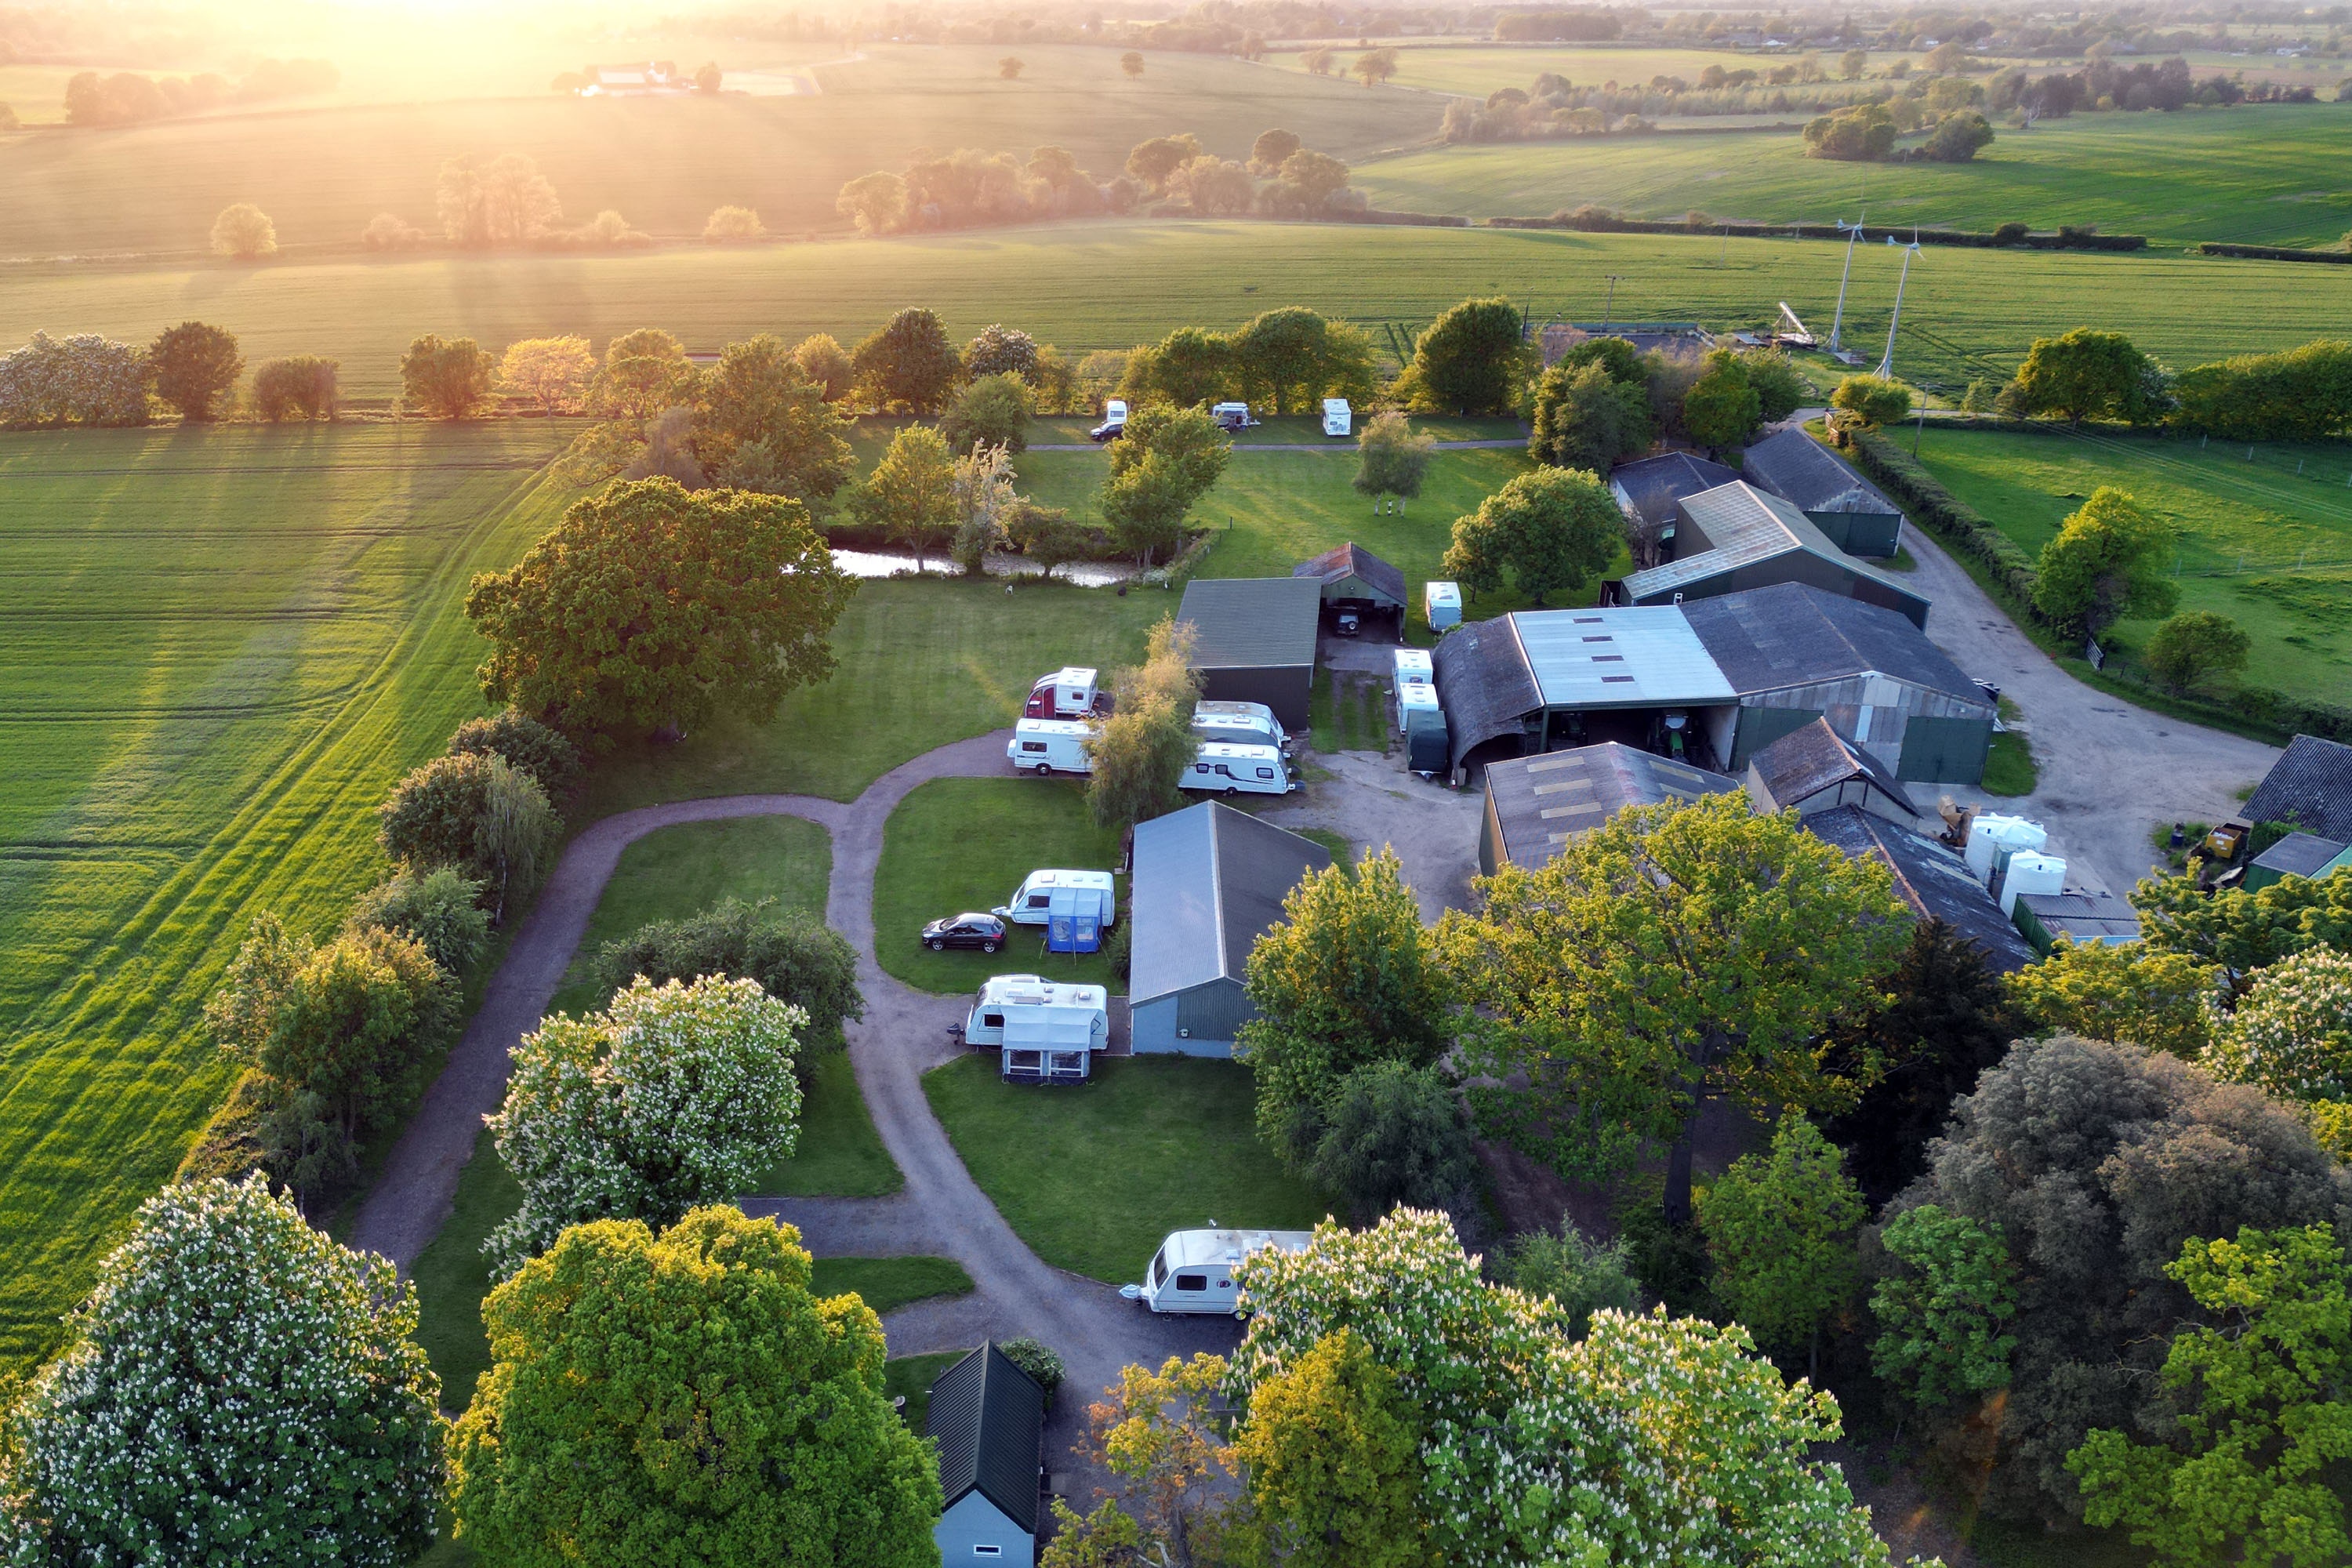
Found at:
[1738, 525]
[2299, 855]
[1795, 467]
[1251, 623]
[2087, 917]
[1653, 485]
[1483, 683]
[1803, 762]
[1352, 559]
[987, 1416]
[1765, 639]
[1540, 802]
[2311, 786]
[1491, 674]
[1934, 881]
[1208, 880]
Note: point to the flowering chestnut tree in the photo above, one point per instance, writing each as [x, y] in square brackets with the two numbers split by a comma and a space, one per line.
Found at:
[80, 379]
[677, 1095]
[2293, 1033]
[239, 1388]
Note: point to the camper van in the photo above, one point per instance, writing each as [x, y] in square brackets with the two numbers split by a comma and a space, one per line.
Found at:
[1339, 419]
[1046, 746]
[1244, 723]
[1231, 417]
[1067, 693]
[1194, 1269]
[1044, 1032]
[1114, 423]
[1440, 605]
[1224, 767]
[1032, 901]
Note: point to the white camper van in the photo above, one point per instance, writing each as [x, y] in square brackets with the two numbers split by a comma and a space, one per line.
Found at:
[1194, 1269]
[1050, 745]
[1339, 419]
[1067, 693]
[1032, 901]
[1244, 723]
[1231, 417]
[1440, 605]
[1044, 1032]
[1224, 768]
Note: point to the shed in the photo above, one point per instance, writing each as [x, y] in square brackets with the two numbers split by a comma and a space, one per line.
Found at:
[1737, 536]
[2296, 854]
[1536, 805]
[1794, 654]
[1815, 768]
[1207, 880]
[1255, 641]
[2081, 918]
[1648, 488]
[1931, 879]
[1353, 577]
[2311, 786]
[988, 1417]
[1851, 512]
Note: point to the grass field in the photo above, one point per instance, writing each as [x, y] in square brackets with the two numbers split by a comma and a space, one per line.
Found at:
[1475, 70]
[965, 844]
[2265, 174]
[1093, 1177]
[2293, 532]
[887, 1284]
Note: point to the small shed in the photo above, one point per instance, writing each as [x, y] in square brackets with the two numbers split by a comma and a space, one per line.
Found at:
[1254, 641]
[1207, 882]
[2080, 918]
[1535, 806]
[1935, 882]
[2296, 854]
[1815, 768]
[1849, 510]
[2311, 786]
[1352, 578]
[1737, 536]
[988, 1417]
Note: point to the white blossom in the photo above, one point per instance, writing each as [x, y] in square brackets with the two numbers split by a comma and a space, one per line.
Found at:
[81, 380]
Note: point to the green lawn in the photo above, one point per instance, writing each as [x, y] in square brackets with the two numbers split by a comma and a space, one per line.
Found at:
[911, 1377]
[839, 1155]
[452, 1276]
[1093, 1177]
[2258, 543]
[965, 844]
[887, 1284]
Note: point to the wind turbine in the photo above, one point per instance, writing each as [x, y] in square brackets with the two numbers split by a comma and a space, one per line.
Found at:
[1886, 365]
[1853, 233]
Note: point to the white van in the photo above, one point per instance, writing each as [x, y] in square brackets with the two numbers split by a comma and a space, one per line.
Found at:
[1244, 723]
[1044, 1032]
[1032, 903]
[1194, 1269]
[1045, 746]
[1224, 767]
[1339, 419]
[1067, 693]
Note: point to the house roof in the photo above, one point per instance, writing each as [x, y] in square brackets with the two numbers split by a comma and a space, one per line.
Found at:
[1251, 623]
[1796, 467]
[987, 1416]
[2311, 786]
[1542, 801]
[2299, 855]
[1767, 639]
[1803, 762]
[1738, 525]
[1352, 559]
[1653, 485]
[1934, 881]
[1208, 880]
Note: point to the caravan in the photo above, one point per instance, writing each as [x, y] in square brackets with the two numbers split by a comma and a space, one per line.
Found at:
[1339, 419]
[1244, 723]
[1224, 768]
[1194, 1269]
[1089, 892]
[1045, 746]
[1066, 693]
[1044, 1032]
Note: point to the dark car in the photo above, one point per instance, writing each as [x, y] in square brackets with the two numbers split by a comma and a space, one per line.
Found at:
[1108, 430]
[986, 932]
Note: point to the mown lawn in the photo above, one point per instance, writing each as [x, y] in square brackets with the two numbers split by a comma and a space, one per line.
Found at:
[955, 845]
[911, 1377]
[887, 1284]
[1093, 1177]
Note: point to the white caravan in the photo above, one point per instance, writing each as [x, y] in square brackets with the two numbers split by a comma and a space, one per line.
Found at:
[1044, 1032]
[1194, 1269]
[1032, 903]
[1223, 767]
[1440, 605]
[1050, 745]
[1244, 723]
[1339, 419]
[1067, 693]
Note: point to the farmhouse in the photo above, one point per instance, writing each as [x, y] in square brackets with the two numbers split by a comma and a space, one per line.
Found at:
[1815, 769]
[1255, 641]
[988, 1417]
[1207, 880]
[1848, 510]
[1934, 881]
[1737, 536]
[1352, 578]
[2311, 786]
[1536, 805]
[1648, 489]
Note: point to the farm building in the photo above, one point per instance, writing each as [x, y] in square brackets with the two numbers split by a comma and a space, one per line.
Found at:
[1681, 339]
[1255, 641]
[1352, 578]
[1206, 881]
[988, 1417]
[1737, 536]
[2084, 918]
[1815, 769]
[2311, 786]
[1536, 805]
[2296, 854]
[1933, 880]
[1848, 508]
[1648, 489]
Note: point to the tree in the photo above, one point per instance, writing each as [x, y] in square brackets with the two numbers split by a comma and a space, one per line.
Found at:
[2258, 1392]
[2293, 1033]
[1308, 184]
[2085, 374]
[1001, 351]
[1185, 368]
[1009, 67]
[1168, 460]
[876, 203]
[1862, 133]
[1152, 161]
[1779, 1230]
[538, 750]
[911, 495]
[503, 202]
[1215, 187]
[2108, 563]
[1781, 391]
[553, 373]
[1959, 138]
[1047, 535]
[992, 411]
[193, 365]
[685, 1397]
[1721, 409]
[1131, 63]
[1623, 362]
[1280, 357]
[2160, 999]
[908, 363]
[983, 495]
[1942, 1316]
[438, 910]
[706, 77]
[827, 366]
[1586, 418]
[1331, 1450]
[238, 1387]
[1393, 1133]
[727, 225]
[1392, 459]
[245, 232]
[2194, 645]
[1852, 65]
[1375, 65]
[446, 378]
[300, 385]
[477, 813]
[1552, 531]
[1139, 753]
[1872, 399]
[1673, 955]
[1579, 1275]
[761, 424]
[794, 955]
[1471, 361]
[675, 1096]
[645, 374]
[1267, 153]
[81, 380]
[647, 607]
[2240, 933]
[1152, 1433]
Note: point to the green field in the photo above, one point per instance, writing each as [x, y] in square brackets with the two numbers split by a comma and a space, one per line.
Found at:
[1475, 70]
[2270, 548]
[2266, 175]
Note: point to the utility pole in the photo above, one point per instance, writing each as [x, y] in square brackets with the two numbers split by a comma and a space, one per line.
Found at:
[1853, 233]
[1611, 305]
[1886, 365]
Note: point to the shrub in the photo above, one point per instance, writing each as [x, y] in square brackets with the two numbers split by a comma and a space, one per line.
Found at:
[244, 231]
[478, 813]
[1872, 399]
[81, 380]
[2195, 645]
[1120, 947]
[1394, 1133]
[540, 750]
[299, 386]
[994, 410]
[2010, 233]
[1037, 1359]
[390, 231]
[733, 224]
[440, 909]
[794, 955]
[1581, 1276]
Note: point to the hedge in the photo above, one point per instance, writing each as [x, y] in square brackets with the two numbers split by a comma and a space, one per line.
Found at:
[1613, 223]
[1412, 220]
[2270, 252]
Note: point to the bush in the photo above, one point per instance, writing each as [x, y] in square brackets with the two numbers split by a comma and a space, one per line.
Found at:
[1120, 947]
[299, 386]
[2194, 645]
[81, 380]
[1872, 399]
[1037, 1359]
[440, 909]
[2011, 232]
[540, 750]
[390, 231]
[733, 224]
[1581, 1276]
[1394, 1133]
[475, 813]
[994, 410]
[791, 952]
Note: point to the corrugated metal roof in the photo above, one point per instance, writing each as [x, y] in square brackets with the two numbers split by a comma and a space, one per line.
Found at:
[1933, 880]
[1765, 639]
[1805, 761]
[1653, 485]
[2299, 855]
[1352, 559]
[986, 1416]
[1639, 657]
[1208, 880]
[1251, 623]
[1738, 525]
[1542, 801]
[1794, 466]
[2311, 786]
[2087, 917]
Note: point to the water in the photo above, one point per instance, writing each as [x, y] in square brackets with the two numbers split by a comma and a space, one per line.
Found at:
[890, 563]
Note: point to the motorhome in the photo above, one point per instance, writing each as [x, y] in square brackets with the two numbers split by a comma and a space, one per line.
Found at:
[1114, 423]
[1032, 901]
[1046, 746]
[1194, 1269]
[1068, 693]
[1223, 767]
[1339, 419]
[1044, 1031]
[1244, 723]
[1440, 605]
[1232, 415]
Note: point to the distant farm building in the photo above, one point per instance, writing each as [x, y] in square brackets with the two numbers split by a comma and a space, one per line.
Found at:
[1352, 578]
[1737, 537]
[2309, 787]
[1254, 641]
[1849, 510]
[1687, 339]
[1535, 806]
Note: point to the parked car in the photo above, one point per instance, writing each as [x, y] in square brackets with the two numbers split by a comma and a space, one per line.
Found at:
[986, 932]
[1347, 623]
[1114, 423]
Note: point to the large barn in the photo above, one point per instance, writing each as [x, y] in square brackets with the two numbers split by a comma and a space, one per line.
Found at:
[1848, 508]
[1254, 641]
[1737, 536]
[1536, 805]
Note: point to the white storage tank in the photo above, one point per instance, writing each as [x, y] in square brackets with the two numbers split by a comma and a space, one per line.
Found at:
[2031, 873]
[1993, 838]
[1441, 604]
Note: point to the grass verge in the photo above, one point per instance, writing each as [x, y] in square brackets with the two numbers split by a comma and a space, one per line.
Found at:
[911, 1377]
[888, 1283]
[452, 1276]
[840, 1154]
[1349, 711]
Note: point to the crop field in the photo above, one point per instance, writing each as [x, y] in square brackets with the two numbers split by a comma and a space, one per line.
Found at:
[2267, 546]
[663, 162]
[223, 647]
[2265, 174]
[1475, 70]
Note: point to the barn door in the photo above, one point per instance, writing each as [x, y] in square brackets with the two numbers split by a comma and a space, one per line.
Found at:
[1944, 751]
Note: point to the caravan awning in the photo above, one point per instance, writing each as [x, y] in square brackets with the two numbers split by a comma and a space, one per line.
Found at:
[1049, 1028]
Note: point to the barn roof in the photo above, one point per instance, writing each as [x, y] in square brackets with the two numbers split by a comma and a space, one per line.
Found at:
[1767, 639]
[1542, 801]
[1738, 525]
[1795, 467]
[1935, 883]
[987, 1416]
[2299, 855]
[1251, 623]
[1490, 674]
[1805, 761]
[1653, 485]
[1352, 559]
[1208, 879]
[2309, 785]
